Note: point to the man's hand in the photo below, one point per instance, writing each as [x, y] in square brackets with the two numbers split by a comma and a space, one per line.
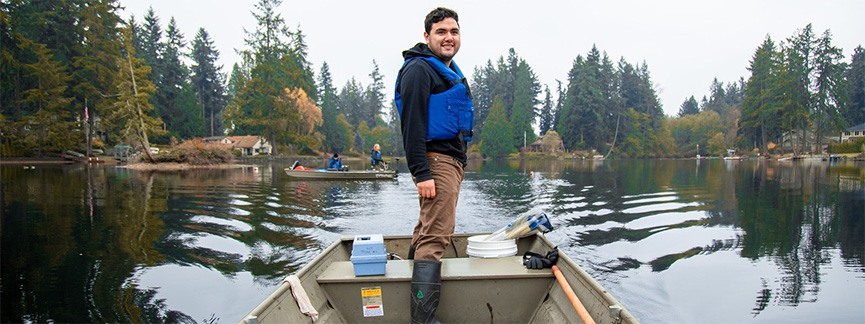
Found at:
[427, 189]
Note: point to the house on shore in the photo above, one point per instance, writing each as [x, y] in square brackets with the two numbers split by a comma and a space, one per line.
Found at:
[853, 133]
[249, 145]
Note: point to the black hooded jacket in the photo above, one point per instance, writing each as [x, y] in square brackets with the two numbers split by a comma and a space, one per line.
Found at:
[417, 80]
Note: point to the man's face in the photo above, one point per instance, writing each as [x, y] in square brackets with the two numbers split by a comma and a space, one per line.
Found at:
[444, 39]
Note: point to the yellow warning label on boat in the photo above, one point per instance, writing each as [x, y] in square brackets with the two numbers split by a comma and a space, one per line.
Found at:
[367, 292]
[372, 301]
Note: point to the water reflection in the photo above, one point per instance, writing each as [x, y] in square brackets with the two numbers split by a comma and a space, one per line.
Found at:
[104, 244]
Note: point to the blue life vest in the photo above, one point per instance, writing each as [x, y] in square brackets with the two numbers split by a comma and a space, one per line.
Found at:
[374, 157]
[335, 164]
[450, 113]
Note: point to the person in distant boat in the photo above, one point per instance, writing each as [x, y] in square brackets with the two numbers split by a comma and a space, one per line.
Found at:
[431, 91]
[375, 157]
[335, 163]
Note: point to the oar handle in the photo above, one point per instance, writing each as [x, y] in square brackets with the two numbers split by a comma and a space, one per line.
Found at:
[581, 310]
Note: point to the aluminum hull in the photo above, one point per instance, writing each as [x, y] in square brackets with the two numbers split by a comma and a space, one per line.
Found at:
[474, 290]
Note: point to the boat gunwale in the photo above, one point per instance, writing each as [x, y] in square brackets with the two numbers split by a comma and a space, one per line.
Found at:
[572, 269]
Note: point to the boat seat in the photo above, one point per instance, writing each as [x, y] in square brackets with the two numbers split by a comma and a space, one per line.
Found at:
[452, 269]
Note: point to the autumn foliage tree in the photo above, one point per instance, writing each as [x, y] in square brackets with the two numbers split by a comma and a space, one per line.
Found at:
[295, 119]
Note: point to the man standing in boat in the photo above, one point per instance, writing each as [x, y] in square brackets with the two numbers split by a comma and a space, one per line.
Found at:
[431, 91]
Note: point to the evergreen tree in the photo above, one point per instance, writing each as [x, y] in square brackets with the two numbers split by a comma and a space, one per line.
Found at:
[208, 82]
[497, 136]
[548, 113]
[137, 34]
[297, 57]
[582, 124]
[151, 46]
[182, 117]
[561, 96]
[829, 88]
[796, 80]
[186, 122]
[235, 81]
[481, 86]
[351, 102]
[735, 93]
[335, 136]
[374, 96]
[639, 126]
[759, 120]
[47, 23]
[96, 59]
[650, 103]
[51, 128]
[501, 80]
[717, 98]
[855, 76]
[523, 112]
[503, 87]
[11, 69]
[689, 107]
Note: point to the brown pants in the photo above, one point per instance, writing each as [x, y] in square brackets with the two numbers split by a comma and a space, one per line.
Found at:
[435, 226]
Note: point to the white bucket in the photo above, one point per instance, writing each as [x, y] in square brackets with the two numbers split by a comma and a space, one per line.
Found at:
[478, 248]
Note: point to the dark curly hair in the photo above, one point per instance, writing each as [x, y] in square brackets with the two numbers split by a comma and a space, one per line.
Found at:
[439, 14]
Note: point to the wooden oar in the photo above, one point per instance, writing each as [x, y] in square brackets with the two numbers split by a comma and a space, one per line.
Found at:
[581, 310]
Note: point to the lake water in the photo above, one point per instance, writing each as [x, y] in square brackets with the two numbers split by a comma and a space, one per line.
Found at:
[685, 241]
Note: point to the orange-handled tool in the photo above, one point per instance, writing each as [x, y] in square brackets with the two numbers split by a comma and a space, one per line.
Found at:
[581, 310]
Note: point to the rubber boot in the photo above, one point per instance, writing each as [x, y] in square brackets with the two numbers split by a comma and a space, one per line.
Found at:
[411, 253]
[426, 281]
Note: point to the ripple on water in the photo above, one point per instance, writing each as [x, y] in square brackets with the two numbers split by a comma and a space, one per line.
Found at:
[237, 211]
[227, 245]
[225, 223]
[658, 207]
[238, 202]
[273, 204]
[651, 200]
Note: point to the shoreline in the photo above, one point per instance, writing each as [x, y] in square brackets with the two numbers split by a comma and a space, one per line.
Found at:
[173, 166]
[248, 162]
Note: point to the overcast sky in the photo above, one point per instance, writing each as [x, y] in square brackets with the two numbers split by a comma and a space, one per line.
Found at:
[685, 43]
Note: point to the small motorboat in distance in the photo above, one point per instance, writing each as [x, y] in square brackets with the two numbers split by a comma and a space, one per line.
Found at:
[473, 289]
[339, 175]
